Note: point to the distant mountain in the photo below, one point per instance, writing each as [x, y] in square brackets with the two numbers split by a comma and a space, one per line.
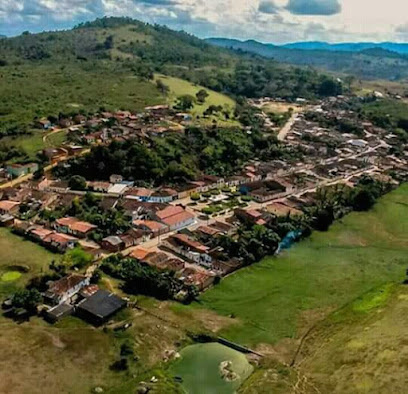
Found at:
[360, 60]
[401, 48]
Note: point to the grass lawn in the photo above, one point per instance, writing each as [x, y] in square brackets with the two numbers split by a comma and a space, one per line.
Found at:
[179, 87]
[199, 367]
[281, 297]
[18, 255]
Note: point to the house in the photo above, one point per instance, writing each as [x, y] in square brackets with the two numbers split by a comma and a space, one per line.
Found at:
[151, 227]
[43, 123]
[99, 307]
[55, 154]
[115, 178]
[199, 279]
[6, 220]
[17, 170]
[60, 242]
[139, 254]
[186, 190]
[65, 288]
[175, 217]
[139, 193]
[187, 247]
[113, 243]
[79, 119]
[262, 191]
[101, 187]
[40, 233]
[117, 189]
[57, 187]
[250, 216]
[65, 122]
[132, 238]
[164, 195]
[74, 226]
[9, 207]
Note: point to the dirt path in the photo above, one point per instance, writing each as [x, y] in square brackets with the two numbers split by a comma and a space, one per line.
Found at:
[286, 129]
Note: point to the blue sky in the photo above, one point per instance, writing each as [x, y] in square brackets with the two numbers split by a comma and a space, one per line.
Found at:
[275, 21]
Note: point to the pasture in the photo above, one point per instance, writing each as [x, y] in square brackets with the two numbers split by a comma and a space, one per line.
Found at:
[281, 297]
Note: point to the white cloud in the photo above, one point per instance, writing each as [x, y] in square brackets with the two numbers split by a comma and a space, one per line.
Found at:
[264, 20]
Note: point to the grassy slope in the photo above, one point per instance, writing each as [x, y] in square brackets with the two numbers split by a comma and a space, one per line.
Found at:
[274, 298]
[50, 89]
[180, 87]
[362, 348]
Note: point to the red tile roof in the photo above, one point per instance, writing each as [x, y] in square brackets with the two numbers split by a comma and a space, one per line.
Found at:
[68, 282]
[6, 205]
[150, 224]
[189, 242]
[178, 218]
[139, 253]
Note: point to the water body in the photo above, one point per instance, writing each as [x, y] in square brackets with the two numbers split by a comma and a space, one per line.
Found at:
[290, 238]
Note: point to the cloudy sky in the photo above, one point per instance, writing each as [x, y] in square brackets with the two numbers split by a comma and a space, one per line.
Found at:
[277, 21]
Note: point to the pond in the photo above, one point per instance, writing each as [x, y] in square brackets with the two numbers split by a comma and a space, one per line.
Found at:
[211, 368]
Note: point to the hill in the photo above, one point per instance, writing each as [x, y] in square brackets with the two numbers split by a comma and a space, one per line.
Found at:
[110, 63]
[401, 48]
[366, 62]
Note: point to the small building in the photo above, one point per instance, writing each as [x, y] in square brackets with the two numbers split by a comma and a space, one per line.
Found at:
[17, 170]
[114, 178]
[60, 242]
[113, 243]
[63, 289]
[43, 124]
[74, 226]
[6, 220]
[151, 227]
[175, 217]
[250, 216]
[164, 195]
[187, 247]
[117, 189]
[100, 307]
[9, 207]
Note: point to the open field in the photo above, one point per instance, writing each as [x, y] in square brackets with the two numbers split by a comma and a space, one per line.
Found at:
[17, 253]
[179, 87]
[283, 297]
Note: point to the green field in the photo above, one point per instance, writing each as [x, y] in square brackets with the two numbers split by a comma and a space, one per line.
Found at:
[18, 255]
[284, 296]
[199, 367]
[179, 87]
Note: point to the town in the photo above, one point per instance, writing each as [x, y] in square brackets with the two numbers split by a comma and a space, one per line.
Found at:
[177, 228]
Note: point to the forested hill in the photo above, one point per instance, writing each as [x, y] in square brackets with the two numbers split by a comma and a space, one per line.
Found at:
[145, 49]
[111, 63]
[367, 63]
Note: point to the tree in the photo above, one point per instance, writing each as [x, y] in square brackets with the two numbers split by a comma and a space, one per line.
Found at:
[162, 87]
[201, 96]
[39, 174]
[329, 87]
[363, 199]
[185, 102]
[78, 258]
[77, 182]
[27, 299]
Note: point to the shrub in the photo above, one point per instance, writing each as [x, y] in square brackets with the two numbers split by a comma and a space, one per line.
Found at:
[195, 197]
[246, 198]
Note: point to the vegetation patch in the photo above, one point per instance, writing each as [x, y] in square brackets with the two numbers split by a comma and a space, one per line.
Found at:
[10, 276]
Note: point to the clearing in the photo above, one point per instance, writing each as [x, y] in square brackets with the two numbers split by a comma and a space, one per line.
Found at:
[179, 87]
